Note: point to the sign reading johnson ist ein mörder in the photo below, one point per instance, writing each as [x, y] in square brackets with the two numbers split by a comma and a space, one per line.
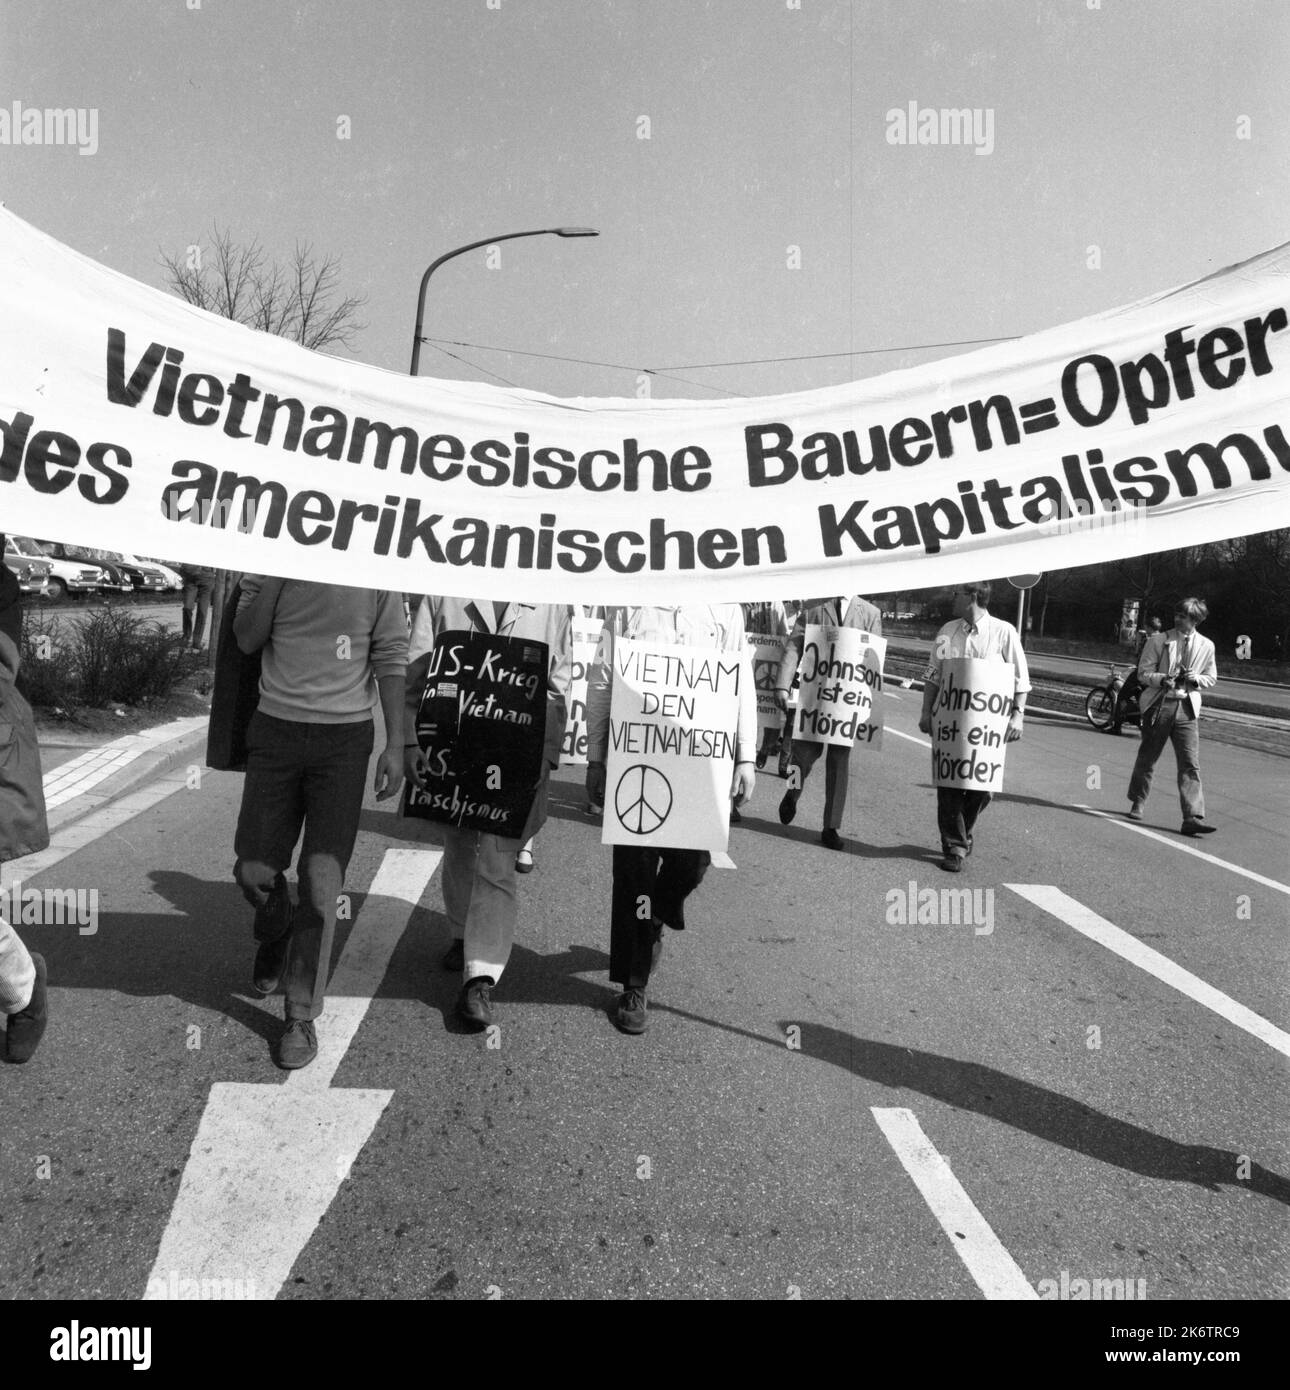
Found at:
[481, 725]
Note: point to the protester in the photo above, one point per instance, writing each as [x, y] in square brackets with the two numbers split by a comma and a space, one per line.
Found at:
[479, 883]
[661, 878]
[1173, 668]
[828, 613]
[1132, 685]
[199, 584]
[329, 652]
[975, 632]
[23, 830]
[767, 619]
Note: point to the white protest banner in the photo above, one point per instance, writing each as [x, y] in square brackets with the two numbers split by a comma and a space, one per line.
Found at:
[969, 721]
[841, 674]
[131, 419]
[767, 652]
[586, 634]
[672, 723]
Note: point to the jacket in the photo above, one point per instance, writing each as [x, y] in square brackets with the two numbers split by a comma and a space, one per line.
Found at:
[1158, 665]
[859, 614]
[23, 827]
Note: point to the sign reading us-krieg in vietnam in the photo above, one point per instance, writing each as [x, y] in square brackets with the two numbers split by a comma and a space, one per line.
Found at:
[586, 634]
[969, 723]
[841, 673]
[672, 724]
[481, 725]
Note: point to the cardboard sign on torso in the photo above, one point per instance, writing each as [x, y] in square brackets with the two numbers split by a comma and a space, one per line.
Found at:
[767, 652]
[481, 724]
[841, 674]
[969, 720]
[672, 724]
[586, 634]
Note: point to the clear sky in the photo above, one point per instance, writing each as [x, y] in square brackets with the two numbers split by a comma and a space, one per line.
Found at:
[1117, 127]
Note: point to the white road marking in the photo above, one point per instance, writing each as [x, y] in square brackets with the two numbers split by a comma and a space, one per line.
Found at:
[402, 878]
[95, 765]
[926, 743]
[722, 861]
[1105, 933]
[73, 837]
[996, 1273]
[267, 1160]
[1184, 849]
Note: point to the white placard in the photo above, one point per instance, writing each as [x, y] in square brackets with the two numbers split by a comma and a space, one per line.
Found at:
[969, 721]
[586, 634]
[841, 674]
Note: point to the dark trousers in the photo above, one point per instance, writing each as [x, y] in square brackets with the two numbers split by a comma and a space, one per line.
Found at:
[650, 889]
[1170, 721]
[956, 811]
[312, 775]
[837, 772]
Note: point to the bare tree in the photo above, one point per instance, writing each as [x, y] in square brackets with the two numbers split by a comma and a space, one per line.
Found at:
[299, 300]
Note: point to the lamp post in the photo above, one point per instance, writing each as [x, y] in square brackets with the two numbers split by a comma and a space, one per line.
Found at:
[461, 251]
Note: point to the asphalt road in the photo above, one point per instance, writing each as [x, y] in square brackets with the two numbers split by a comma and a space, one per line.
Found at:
[1098, 1121]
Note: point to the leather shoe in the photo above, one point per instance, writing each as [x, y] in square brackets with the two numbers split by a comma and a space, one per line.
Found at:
[475, 1005]
[788, 808]
[298, 1045]
[629, 1012]
[1135, 811]
[454, 958]
[524, 861]
[27, 1026]
[1197, 827]
[830, 839]
[952, 863]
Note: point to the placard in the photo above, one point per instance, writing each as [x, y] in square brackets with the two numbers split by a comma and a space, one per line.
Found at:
[481, 724]
[673, 719]
[586, 636]
[969, 720]
[767, 653]
[841, 674]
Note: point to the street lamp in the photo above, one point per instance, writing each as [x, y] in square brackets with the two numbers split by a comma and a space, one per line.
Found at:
[461, 251]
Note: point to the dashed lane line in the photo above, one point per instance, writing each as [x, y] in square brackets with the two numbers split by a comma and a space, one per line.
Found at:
[1128, 947]
[81, 774]
[996, 1273]
[1184, 849]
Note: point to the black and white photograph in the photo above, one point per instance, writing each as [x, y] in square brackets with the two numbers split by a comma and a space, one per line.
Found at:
[644, 656]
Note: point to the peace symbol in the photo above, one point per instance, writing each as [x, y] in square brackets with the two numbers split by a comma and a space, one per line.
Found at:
[642, 799]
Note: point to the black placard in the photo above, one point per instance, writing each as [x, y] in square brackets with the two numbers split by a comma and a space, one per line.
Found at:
[481, 724]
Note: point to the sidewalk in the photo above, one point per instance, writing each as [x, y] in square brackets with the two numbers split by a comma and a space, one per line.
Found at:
[109, 768]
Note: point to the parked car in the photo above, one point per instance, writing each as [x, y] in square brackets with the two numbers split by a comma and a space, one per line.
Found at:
[174, 580]
[115, 579]
[148, 578]
[67, 578]
[32, 574]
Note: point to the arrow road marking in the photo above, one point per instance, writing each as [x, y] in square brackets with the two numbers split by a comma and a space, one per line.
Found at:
[267, 1160]
[996, 1273]
[1098, 929]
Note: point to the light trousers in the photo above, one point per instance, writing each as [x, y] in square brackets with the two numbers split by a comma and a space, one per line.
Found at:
[17, 972]
[479, 896]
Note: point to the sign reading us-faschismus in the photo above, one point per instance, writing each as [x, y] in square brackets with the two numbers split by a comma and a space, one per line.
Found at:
[130, 418]
[481, 725]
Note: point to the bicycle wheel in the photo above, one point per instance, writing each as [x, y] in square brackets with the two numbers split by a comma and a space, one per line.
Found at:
[1099, 706]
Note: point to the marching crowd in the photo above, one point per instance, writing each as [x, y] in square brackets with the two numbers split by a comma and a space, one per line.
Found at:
[330, 655]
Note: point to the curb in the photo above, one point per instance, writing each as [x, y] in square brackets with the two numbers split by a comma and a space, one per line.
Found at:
[148, 766]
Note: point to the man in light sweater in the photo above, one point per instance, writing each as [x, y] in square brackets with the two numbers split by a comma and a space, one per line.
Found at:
[328, 653]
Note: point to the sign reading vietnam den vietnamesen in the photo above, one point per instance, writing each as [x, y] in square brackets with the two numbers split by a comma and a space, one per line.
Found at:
[841, 674]
[969, 722]
[586, 634]
[672, 729]
[481, 724]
